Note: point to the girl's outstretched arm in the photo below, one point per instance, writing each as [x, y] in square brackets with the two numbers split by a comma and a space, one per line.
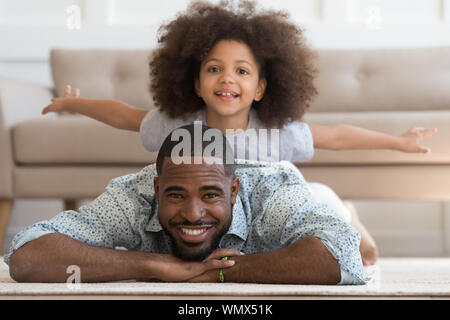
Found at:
[114, 113]
[347, 137]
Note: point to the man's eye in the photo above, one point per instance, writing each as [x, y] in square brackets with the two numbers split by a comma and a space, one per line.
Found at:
[175, 196]
[211, 195]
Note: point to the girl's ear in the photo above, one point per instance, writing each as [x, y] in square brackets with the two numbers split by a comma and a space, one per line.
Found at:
[261, 89]
[197, 87]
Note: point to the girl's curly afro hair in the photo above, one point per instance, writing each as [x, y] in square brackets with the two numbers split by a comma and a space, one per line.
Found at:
[277, 44]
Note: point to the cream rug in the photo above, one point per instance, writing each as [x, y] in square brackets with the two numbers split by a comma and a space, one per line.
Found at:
[390, 278]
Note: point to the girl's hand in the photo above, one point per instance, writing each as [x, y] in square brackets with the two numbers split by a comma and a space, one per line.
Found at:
[410, 140]
[62, 104]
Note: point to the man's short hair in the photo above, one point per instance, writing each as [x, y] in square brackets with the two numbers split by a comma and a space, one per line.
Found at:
[197, 146]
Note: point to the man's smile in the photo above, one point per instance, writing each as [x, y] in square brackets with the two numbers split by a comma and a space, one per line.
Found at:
[193, 234]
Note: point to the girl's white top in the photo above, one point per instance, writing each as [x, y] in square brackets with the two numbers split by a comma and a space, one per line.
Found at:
[293, 142]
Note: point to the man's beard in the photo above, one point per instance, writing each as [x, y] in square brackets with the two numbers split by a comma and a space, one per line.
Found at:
[196, 255]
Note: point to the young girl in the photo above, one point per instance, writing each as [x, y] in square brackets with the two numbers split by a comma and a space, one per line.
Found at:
[240, 69]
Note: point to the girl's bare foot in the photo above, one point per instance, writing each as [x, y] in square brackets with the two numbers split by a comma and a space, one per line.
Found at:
[367, 247]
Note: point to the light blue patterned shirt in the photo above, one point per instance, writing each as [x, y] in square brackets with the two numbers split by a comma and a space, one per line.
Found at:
[274, 209]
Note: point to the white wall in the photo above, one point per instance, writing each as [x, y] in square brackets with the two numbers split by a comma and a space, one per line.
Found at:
[29, 28]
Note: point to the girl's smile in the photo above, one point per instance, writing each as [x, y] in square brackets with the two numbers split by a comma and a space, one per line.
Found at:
[227, 95]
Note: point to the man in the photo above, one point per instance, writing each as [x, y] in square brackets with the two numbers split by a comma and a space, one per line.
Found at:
[200, 219]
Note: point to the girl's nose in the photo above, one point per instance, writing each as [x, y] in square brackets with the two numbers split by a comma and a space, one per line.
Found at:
[227, 77]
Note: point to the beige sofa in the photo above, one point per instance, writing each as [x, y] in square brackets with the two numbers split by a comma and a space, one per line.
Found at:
[72, 157]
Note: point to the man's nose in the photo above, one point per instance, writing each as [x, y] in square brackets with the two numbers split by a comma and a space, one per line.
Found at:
[194, 210]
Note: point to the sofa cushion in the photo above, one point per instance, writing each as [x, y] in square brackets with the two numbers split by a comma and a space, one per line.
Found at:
[80, 140]
[348, 80]
[383, 80]
[66, 182]
[76, 140]
[104, 74]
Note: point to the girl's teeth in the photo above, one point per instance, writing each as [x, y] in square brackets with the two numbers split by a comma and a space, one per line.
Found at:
[193, 232]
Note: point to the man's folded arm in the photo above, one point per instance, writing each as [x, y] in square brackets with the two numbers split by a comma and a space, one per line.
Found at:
[86, 239]
[307, 261]
[317, 246]
[47, 258]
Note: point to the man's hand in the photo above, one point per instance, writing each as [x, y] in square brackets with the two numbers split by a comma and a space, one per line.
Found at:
[61, 104]
[174, 269]
[410, 140]
[212, 275]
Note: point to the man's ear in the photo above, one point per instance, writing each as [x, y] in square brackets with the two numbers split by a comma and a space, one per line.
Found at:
[262, 85]
[156, 187]
[235, 183]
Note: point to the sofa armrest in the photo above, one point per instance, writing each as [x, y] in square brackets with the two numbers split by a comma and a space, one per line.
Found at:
[19, 100]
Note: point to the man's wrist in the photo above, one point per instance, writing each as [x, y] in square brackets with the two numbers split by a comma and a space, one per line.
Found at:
[232, 274]
[221, 276]
[151, 266]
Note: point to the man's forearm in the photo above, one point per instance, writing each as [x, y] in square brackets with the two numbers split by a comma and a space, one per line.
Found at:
[47, 258]
[307, 261]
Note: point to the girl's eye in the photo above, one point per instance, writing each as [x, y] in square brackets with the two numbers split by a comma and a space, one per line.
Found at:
[242, 71]
[214, 69]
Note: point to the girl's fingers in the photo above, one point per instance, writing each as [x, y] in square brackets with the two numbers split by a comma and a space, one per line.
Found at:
[429, 132]
[423, 132]
[424, 149]
[47, 109]
[67, 90]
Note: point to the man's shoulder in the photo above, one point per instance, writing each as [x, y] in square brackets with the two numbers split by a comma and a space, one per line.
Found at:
[284, 167]
[141, 179]
[255, 171]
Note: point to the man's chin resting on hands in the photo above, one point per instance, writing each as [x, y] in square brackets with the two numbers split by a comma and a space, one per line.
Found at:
[189, 221]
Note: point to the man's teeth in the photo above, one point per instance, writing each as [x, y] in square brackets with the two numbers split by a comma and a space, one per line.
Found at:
[193, 232]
